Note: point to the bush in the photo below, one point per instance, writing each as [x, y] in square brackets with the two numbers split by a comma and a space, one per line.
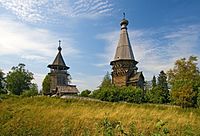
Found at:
[116, 94]
[85, 93]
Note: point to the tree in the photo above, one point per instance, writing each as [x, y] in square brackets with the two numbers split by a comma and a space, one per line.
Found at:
[184, 79]
[46, 85]
[156, 93]
[163, 85]
[154, 82]
[106, 81]
[19, 79]
[2, 83]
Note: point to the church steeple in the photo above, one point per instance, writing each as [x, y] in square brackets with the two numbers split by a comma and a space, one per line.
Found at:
[124, 49]
[124, 69]
[58, 62]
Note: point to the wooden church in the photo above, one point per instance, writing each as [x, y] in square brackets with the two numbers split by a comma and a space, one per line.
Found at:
[124, 69]
[60, 78]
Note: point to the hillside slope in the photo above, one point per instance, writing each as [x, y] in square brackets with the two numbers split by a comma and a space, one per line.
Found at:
[54, 116]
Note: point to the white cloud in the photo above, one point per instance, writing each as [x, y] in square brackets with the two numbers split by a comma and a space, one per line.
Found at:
[31, 43]
[156, 50]
[48, 10]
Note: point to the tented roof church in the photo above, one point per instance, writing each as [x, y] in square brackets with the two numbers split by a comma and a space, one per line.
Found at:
[124, 69]
[60, 78]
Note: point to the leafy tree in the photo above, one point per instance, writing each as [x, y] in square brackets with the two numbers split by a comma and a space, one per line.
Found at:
[46, 85]
[85, 93]
[184, 79]
[163, 85]
[154, 82]
[106, 81]
[2, 83]
[19, 79]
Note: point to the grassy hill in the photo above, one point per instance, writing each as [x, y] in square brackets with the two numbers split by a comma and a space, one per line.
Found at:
[76, 117]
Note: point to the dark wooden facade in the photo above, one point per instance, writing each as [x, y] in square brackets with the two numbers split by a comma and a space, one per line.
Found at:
[60, 77]
[124, 69]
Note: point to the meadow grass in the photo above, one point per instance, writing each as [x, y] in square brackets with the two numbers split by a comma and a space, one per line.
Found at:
[42, 115]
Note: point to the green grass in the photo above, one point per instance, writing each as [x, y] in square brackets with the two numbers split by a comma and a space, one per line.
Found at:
[54, 117]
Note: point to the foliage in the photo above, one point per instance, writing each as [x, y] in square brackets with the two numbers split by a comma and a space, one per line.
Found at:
[85, 93]
[111, 128]
[184, 79]
[33, 91]
[159, 92]
[2, 83]
[161, 130]
[19, 79]
[163, 86]
[111, 93]
[154, 84]
[154, 95]
[46, 85]
[116, 94]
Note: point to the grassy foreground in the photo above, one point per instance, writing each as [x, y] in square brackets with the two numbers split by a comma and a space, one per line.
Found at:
[54, 117]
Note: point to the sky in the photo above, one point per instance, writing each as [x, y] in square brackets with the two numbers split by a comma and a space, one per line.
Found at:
[160, 31]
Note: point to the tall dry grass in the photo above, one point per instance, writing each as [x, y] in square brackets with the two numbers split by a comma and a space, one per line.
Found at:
[54, 117]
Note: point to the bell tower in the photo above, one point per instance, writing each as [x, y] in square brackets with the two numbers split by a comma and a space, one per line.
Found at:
[60, 78]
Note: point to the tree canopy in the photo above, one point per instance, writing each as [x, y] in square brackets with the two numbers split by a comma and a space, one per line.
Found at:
[184, 79]
[163, 86]
[154, 84]
[46, 85]
[19, 79]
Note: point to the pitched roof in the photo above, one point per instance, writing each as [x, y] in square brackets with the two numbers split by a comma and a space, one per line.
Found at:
[58, 61]
[124, 50]
[136, 77]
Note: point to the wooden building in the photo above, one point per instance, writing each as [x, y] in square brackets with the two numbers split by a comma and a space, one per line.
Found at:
[60, 78]
[124, 69]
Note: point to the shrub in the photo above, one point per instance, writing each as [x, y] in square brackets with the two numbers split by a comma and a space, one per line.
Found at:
[85, 93]
[116, 94]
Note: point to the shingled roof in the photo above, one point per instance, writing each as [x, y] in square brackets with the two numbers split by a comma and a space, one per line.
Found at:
[136, 77]
[59, 61]
[124, 50]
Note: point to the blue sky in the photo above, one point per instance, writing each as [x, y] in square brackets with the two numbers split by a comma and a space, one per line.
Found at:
[161, 31]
